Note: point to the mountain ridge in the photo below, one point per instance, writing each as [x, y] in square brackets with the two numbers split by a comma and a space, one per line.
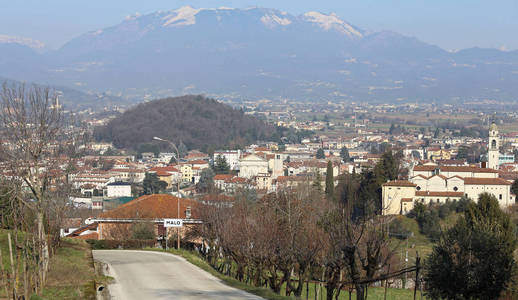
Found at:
[266, 53]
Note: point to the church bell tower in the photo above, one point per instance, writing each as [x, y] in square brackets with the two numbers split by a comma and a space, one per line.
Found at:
[493, 153]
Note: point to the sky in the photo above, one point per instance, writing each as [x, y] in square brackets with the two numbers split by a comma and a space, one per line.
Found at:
[449, 24]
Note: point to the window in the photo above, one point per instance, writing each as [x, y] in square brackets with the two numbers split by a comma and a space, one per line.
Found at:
[188, 212]
[418, 188]
[438, 200]
[500, 197]
[455, 188]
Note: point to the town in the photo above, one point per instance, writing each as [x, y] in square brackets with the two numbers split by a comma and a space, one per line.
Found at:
[158, 152]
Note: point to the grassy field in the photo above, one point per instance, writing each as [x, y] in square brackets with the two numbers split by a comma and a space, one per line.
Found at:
[373, 293]
[71, 274]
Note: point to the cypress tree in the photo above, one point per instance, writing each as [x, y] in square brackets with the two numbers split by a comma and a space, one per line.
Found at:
[330, 185]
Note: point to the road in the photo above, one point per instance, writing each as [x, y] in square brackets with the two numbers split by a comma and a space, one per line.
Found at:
[154, 275]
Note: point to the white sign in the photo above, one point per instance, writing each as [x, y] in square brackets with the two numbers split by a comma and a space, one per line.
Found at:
[173, 223]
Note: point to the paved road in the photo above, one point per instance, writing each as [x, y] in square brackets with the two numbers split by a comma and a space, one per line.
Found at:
[149, 275]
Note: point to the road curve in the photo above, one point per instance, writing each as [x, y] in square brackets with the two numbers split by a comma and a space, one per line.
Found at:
[155, 275]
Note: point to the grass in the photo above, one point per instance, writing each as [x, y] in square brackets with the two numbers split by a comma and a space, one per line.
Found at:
[374, 292]
[417, 243]
[71, 274]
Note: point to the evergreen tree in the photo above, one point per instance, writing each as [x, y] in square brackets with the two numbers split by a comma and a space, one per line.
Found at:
[153, 185]
[392, 128]
[206, 182]
[330, 184]
[514, 187]
[220, 165]
[344, 154]
[320, 154]
[474, 259]
[317, 182]
[387, 168]
[182, 149]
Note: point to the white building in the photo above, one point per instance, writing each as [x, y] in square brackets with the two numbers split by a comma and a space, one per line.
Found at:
[493, 154]
[118, 189]
[231, 156]
[252, 165]
[438, 184]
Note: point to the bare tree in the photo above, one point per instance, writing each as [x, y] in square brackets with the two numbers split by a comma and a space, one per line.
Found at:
[34, 137]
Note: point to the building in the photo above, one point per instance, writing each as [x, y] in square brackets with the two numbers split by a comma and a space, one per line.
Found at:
[439, 184]
[117, 223]
[118, 189]
[231, 156]
[397, 196]
[493, 154]
[433, 183]
[252, 165]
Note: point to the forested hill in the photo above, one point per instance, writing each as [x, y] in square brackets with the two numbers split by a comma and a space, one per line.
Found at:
[196, 121]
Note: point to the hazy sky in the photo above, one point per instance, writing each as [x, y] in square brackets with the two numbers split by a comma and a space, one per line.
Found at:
[450, 24]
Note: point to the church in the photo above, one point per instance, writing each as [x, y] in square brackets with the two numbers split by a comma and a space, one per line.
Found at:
[431, 183]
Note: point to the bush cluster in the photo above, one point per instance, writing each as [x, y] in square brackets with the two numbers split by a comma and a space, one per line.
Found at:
[125, 244]
[429, 216]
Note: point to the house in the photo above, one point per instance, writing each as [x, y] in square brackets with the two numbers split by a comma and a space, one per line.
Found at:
[231, 156]
[170, 174]
[118, 223]
[118, 189]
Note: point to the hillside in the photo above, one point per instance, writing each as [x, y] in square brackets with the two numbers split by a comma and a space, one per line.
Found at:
[260, 53]
[198, 122]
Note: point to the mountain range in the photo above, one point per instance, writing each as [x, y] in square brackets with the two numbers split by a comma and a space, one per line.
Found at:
[260, 53]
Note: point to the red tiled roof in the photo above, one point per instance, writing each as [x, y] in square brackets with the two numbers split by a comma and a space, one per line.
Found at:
[238, 180]
[454, 169]
[400, 183]
[486, 181]
[88, 236]
[164, 169]
[292, 178]
[223, 176]
[439, 194]
[198, 162]
[163, 173]
[152, 207]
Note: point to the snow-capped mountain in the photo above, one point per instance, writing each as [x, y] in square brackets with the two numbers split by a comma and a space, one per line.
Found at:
[34, 44]
[266, 53]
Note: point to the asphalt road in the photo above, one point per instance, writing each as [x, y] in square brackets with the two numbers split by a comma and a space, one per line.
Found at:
[149, 275]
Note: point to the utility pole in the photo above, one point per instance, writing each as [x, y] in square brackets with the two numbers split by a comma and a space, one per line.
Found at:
[177, 188]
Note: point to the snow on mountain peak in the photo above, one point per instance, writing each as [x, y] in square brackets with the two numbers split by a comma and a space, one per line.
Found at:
[181, 17]
[34, 44]
[274, 20]
[332, 21]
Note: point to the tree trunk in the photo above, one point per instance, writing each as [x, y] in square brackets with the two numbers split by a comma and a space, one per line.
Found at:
[43, 249]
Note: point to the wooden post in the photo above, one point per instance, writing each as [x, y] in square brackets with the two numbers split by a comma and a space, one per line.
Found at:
[417, 266]
[307, 289]
[4, 277]
[386, 284]
[13, 274]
